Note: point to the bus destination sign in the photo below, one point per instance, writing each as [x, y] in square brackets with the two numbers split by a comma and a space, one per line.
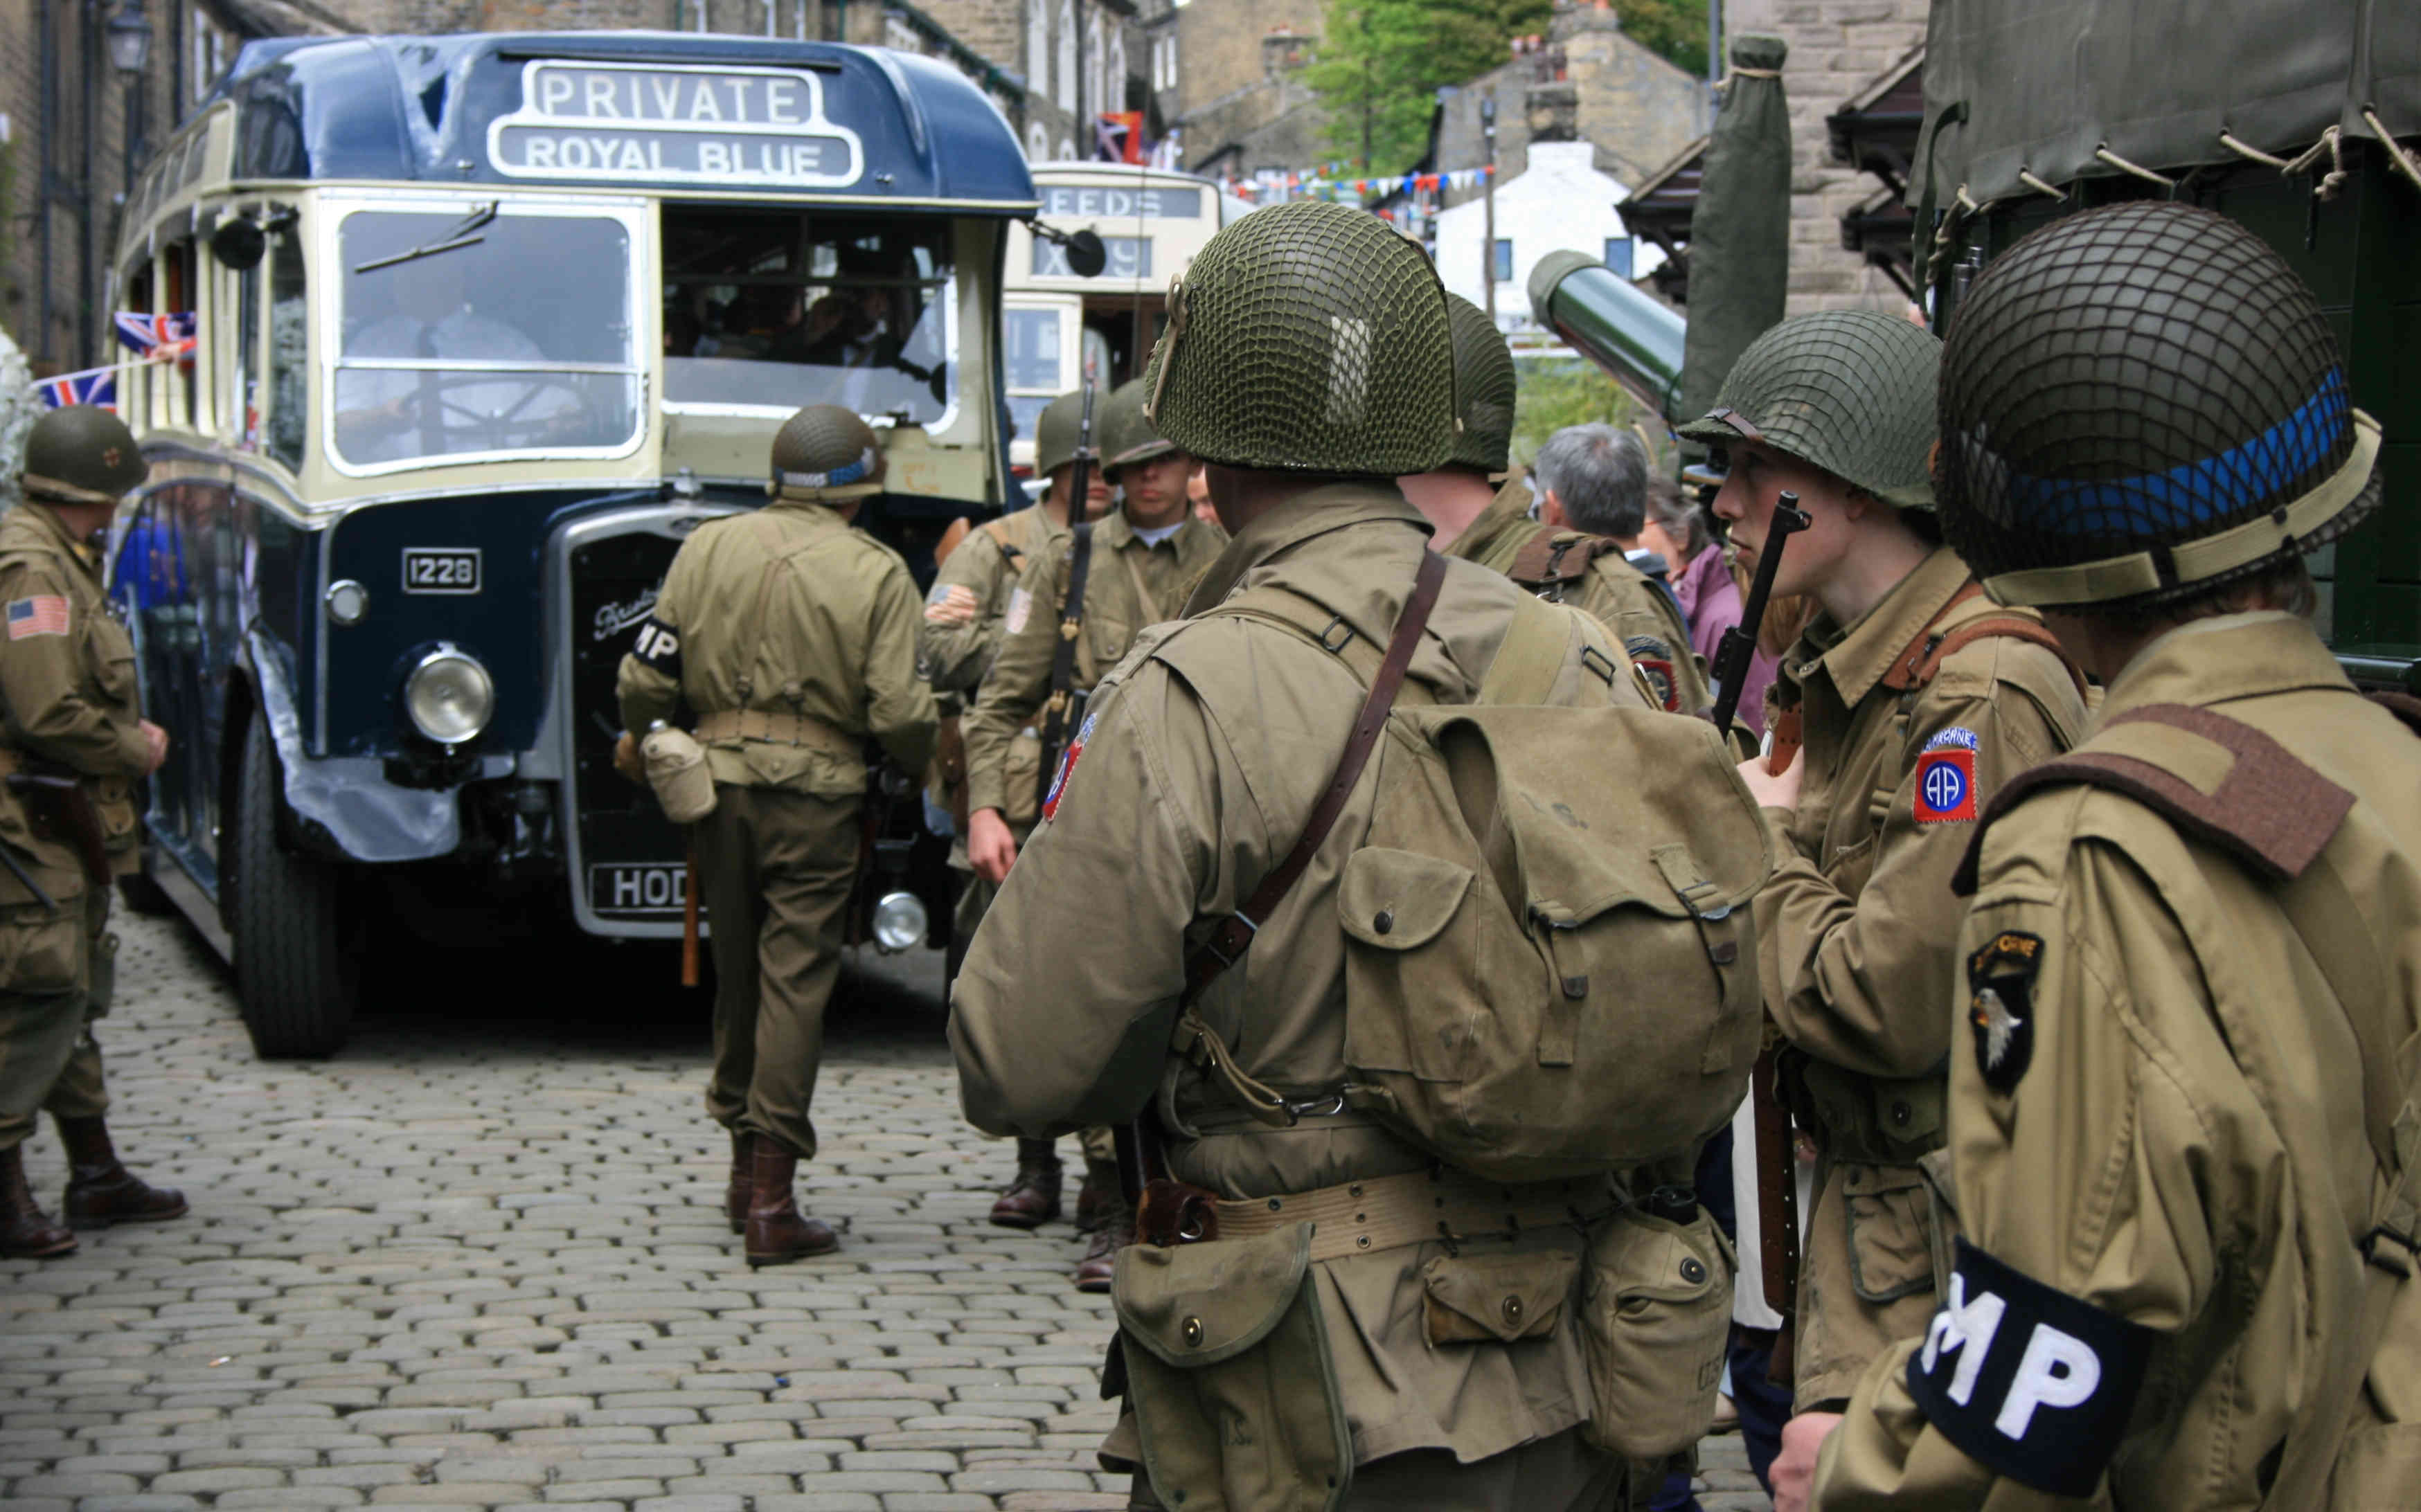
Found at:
[666, 123]
[1117, 202]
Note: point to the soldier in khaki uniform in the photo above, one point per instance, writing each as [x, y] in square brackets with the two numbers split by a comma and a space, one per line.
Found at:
[67, 686]
[1197, 769]
[2183, 1093]
[965, 616]
[1144, 557]
[1915, 699]
[1481, 521]
[793, 638]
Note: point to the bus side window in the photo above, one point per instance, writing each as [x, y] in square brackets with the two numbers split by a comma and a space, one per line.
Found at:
[234, 334]
[289, 373]
[184, 406]
[135, 392]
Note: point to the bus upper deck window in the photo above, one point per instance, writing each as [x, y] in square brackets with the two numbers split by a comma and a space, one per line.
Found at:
[466, 332]
[780, 310]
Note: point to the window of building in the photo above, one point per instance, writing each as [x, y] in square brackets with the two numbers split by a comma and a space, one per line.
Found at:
[1038, 53]
[1504, 259]
[1063, 83]
[772, 308]
[1617, 255]
[1097, 94]
[1164, 62]
[1114, 74]
[1038, 142]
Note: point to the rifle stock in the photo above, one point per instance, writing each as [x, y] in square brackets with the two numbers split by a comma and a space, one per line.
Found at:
[1060, 713]
[1739, 644]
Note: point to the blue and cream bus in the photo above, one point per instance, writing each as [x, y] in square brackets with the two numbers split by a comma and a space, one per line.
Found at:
[487, 325]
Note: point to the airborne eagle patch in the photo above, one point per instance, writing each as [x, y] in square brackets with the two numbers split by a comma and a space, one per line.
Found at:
[2001, 1008]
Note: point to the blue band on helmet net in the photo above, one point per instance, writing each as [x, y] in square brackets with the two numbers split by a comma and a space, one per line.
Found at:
[838, 477]
[2265, 467]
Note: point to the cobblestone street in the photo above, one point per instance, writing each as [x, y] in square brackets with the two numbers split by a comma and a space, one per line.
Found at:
[477, 1261]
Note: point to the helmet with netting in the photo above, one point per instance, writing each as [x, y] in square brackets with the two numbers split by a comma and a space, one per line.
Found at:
[1128, 436]
[825, 454]
[1849, 391]
[1307, 338]
[1483, 386]
[81, 455]
[2141, 403]
[1060, 430]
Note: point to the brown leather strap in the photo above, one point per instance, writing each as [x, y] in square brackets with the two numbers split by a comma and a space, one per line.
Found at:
[1559, 556]
[1787, 738]
[2271, 811]
[1922, 660]
[1234, 935]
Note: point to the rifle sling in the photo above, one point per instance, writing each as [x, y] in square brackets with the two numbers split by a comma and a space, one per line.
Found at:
[1063, 656]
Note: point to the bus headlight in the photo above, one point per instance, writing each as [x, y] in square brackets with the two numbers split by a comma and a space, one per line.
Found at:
[449, 696]
[898, 923]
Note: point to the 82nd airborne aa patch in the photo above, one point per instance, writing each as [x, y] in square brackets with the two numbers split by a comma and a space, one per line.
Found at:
[2001, 1006]
[1945, 786]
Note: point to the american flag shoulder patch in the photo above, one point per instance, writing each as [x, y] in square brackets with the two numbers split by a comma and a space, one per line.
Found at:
[44, 614]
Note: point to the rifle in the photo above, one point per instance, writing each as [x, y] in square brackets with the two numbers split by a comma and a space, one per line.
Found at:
[60, 810]
[1066, 704]
[1777, 1160]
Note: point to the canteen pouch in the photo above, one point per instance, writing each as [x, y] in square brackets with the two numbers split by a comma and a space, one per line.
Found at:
[1656, 1314]
[678, 771]
[41, 953]
[1547, 977]
[1228, 1374]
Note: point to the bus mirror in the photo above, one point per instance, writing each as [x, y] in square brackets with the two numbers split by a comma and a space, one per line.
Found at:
[1086, 257]
[238, 244]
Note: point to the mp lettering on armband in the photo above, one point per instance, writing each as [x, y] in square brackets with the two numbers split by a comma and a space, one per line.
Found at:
[658, 646]
[2030, 1383]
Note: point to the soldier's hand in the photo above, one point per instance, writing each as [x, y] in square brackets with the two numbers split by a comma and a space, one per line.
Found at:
[1794, 1468]
[155, 745]
[955, 606]
[626, 757]
[1770, 789]
[991, 849]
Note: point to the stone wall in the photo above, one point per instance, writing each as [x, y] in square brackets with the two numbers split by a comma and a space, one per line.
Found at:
[1239, 84]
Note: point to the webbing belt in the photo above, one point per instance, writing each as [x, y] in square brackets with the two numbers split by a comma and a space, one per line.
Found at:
[1390, 1212]
[772, 727]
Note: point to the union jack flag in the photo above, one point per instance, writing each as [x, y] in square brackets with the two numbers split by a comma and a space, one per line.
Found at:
[147, 335]
[96, 386]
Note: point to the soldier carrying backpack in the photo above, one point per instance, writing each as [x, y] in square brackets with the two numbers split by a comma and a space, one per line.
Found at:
[1369, 888]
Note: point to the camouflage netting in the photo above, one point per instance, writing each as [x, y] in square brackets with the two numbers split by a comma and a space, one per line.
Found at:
[1127, 433]
[1308, 337]
[1850, 391]
[2126, 386]
[1483, 386]
[825, 454]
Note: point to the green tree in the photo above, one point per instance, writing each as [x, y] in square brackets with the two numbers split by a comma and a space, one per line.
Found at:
[1675, 30]
[1383, 61]
[1553, 392]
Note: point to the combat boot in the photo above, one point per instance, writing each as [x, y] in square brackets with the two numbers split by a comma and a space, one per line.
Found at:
[1097, 1195]
[102, 1192]
[27, 1232]
[743, 1179]
[1118, 1231]
[778, 1232]
[1032, 1199]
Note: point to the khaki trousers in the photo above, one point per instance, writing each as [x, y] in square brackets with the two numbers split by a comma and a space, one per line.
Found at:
[774, 873]
[55, 976]
[1556, 1473]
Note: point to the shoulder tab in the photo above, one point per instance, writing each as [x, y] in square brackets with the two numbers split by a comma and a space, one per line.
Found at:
[1559, 556]
[1922, 660]
[2271, 811]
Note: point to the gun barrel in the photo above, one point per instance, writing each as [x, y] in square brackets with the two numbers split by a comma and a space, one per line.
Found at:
[1614, 326]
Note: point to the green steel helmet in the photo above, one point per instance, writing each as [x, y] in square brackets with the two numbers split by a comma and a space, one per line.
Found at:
[2142, 403]
[1060, 428]
[1483, 386]
[1126, 431]
[1307, 338]
[825, 454]
[81, 455]
[1848, 391]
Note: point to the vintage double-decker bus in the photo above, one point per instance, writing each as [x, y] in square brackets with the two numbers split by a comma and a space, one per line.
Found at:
[487, 325]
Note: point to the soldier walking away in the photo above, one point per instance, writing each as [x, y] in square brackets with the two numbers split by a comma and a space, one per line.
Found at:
[1435, 1360]
[1902, 710]
[73, 746]
[1486, 522]
[2183, 1097]
[966, 615]
[1145, 555]
[793, 638]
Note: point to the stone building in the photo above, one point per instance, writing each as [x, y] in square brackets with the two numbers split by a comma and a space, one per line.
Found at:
[1230, 83]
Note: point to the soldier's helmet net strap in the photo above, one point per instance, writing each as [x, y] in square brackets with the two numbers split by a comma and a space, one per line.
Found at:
[1307, 338]
[2141, 403]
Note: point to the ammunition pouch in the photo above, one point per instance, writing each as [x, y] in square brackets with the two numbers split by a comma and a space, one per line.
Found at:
[1228, 1373]
[1656, 1313]
[677, 772]
[43, 952]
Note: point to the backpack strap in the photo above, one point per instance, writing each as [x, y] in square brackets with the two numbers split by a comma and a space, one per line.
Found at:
[1000, 531]
[1922, 660]
[1529, 659]
[1552, 558]
[1234, 934]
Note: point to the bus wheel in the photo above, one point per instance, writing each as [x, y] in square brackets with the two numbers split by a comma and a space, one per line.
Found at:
[295, 978]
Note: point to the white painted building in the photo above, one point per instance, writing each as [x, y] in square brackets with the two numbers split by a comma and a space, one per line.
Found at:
[1560, 202]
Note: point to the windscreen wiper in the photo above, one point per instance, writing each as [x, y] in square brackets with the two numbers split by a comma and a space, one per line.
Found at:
[458, 236]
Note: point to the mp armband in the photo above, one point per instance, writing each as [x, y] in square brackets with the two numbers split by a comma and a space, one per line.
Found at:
[658, 648]
[2030, 1383]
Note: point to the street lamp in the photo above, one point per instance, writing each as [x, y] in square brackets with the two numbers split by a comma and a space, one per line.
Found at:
[128, 32]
